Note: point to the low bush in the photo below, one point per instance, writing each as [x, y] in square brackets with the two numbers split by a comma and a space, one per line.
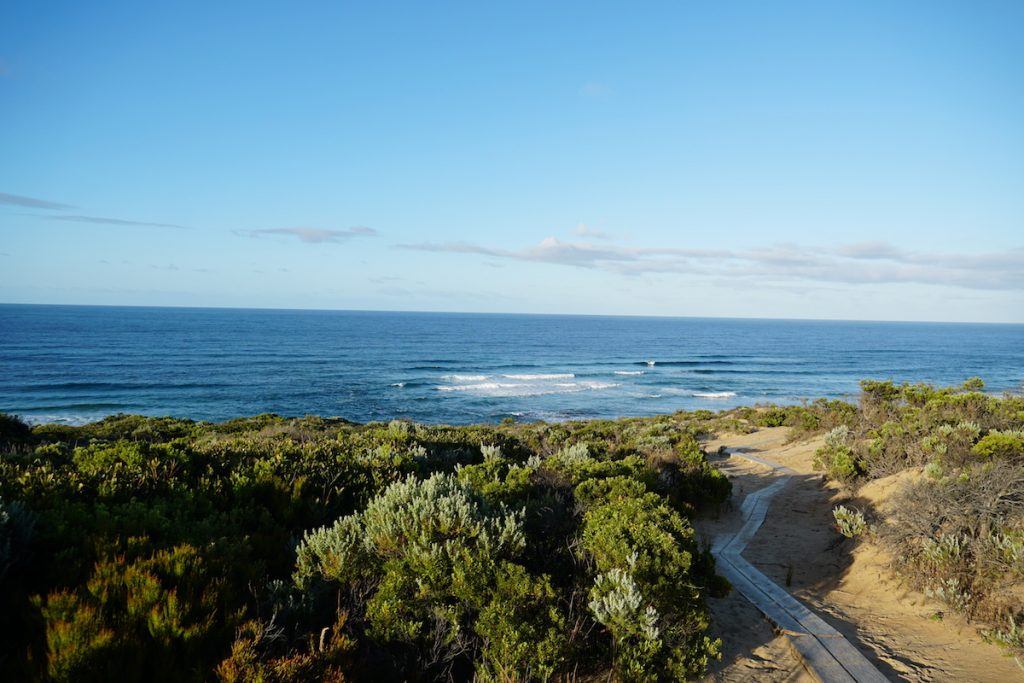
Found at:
[151, 618]
[958, 531]
[278, 549]
[961, 539]
[849, 522]
[836, 457]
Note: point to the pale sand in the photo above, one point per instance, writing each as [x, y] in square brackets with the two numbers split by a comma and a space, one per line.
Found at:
[848, 583]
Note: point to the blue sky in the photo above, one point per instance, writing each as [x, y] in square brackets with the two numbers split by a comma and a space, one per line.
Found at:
[860, 160]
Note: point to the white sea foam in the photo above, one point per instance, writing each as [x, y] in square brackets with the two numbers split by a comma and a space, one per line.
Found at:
[74, 420]
[555, 375]
[599, 385]
[464, 378]
[714, 394]
[481, 386]
[675, 391]
[629, 372]
[651, 363]
[518, 389]
[398, 385]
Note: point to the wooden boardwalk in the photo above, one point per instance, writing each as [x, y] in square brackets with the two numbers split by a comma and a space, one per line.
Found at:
[824, 651]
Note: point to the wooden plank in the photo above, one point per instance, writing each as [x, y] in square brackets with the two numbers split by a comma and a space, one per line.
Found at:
[823, 650]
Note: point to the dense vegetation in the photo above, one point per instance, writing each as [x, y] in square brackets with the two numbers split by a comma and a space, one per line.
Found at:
[308, 549]
[274, 549]
[958, 528]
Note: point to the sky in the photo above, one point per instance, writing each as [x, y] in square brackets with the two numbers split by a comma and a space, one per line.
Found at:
[838, 160]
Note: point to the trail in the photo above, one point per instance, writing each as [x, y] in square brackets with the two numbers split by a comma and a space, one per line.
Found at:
[810, 605]
[826, 654]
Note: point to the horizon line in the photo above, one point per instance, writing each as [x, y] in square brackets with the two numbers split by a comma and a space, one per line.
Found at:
[510, 313]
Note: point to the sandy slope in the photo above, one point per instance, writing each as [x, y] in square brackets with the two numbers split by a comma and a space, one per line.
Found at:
[847, 583]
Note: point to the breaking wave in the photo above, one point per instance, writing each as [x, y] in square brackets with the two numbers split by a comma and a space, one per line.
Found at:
[519, 389]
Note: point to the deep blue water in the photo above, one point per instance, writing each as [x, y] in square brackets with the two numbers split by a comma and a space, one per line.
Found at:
[78, 363]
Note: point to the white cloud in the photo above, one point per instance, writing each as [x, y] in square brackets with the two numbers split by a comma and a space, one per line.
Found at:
[777, 265]
[313, 235]
[872, 249]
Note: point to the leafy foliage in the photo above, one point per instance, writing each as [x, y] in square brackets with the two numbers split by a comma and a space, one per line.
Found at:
[277, 549]
[144, 619]
[849, 522]
[958, 531]
[836, 457]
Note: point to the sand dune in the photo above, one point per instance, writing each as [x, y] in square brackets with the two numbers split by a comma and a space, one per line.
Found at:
[845, 582]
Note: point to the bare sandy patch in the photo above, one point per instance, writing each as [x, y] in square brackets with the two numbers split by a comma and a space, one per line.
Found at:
[848, 583]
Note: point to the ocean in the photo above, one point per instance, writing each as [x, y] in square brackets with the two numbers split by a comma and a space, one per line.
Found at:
[74, 364]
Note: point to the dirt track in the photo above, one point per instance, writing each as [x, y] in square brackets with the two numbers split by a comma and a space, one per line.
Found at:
[846, 583]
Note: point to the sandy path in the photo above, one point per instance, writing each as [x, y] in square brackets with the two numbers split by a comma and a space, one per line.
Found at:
[845, 583]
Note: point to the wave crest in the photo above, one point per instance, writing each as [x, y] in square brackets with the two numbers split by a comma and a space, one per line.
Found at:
[517, 389]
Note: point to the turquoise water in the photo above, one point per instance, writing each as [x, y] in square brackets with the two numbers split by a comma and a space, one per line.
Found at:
[79, 363]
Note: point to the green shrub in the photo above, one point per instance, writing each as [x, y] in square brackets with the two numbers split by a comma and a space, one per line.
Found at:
[256, 655]
[162, 549]
[1010, 635]
[333, 553]
[643, 551]
[849, 522]
[996, 444]
[962, 537]
[617, 604]
[878, 400]
[952, 444]
[151, 618]
[771, 416]
[522, 628]
[437, 548]
[836, 457]
[500, 481]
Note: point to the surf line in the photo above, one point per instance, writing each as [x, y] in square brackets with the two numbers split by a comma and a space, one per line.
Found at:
[824, 651]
